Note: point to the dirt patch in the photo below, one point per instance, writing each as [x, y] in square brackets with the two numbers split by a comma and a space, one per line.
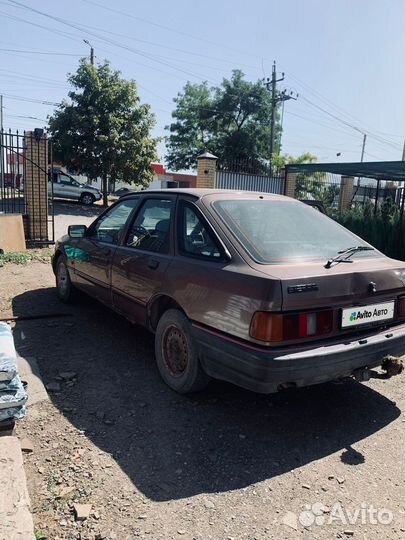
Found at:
[223, 464]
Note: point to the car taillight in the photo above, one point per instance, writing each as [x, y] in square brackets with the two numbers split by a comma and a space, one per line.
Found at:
[401, 307]
[276, 327]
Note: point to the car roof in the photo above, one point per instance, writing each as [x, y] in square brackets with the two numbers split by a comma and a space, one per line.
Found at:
[199, 193]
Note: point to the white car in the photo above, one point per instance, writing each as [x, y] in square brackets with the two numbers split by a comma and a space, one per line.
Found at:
[66, 187]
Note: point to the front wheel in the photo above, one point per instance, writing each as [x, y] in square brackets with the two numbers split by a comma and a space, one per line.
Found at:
[176, 354]
[64, 287]
[87, 199]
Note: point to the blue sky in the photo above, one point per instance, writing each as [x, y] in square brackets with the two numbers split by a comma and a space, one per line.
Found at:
[346, 57]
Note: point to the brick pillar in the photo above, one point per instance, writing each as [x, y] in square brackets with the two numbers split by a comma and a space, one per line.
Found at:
[206, 170]
[290, 184]
[36, 185]
[346, 193]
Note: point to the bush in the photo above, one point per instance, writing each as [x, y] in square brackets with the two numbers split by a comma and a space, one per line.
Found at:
[383, 230]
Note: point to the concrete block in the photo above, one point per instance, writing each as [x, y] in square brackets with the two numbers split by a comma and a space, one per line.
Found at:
[12, 237]
[15, 516]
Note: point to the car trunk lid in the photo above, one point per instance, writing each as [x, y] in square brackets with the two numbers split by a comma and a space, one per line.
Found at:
[312, 286]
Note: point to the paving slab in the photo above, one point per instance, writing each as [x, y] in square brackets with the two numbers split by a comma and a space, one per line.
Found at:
[15, 516]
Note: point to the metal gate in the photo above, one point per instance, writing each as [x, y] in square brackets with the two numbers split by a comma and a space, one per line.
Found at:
[249, 175]
[25, 166]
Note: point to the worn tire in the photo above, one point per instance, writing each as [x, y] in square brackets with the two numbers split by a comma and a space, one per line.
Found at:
[64, 288]
[87, 199]
[176, 354]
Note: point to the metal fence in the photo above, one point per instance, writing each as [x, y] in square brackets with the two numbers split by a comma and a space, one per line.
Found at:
[369, 191]
[326, 188]
[23, 165]
[249, 175]
[12, 199]
[320, 186]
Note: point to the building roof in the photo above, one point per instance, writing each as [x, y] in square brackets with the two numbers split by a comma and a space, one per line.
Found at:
[380, 170]
[207, 155]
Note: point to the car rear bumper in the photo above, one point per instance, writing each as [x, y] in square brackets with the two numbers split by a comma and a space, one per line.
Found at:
[264, 370]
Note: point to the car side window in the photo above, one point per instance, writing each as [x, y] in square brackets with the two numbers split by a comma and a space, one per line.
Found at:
[66, 180]
[151, 228]
[109, 227]
[194, 237]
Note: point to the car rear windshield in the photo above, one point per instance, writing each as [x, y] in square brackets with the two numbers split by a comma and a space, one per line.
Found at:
[276, 231]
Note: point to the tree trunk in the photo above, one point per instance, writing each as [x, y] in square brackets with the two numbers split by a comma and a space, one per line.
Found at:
[105, 189]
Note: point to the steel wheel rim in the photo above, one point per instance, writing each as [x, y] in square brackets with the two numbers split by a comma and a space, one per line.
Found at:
[87, 199]
[175, 351]
[63, 278]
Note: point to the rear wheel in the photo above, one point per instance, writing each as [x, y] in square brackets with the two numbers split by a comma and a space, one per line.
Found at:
[87, 199]
[176, 354]
[64, 287]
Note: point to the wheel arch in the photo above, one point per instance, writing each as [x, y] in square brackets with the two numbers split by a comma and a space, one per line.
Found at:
[158, 305]
[55, 258]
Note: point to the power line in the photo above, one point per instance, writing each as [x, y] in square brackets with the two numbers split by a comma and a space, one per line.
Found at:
[168, 47]
[57, 32]
[131, 16]
[31, 100]
[332, 115]
[325, 148]
[126, 14]
[329, 126]
[319, 96]
[362, 131]
[103, 39]
[29, 77]
[158, 59]
[28, 117]
[40, 52]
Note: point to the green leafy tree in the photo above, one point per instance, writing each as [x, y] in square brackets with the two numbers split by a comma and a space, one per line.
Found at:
[103, 130]
[231, 120]
[282, 160]
[310, 185]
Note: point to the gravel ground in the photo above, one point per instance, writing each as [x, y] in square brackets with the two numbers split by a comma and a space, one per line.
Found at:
[73, 213]
[224, 464]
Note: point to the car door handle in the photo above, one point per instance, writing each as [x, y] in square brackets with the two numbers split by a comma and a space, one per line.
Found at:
[153, 264]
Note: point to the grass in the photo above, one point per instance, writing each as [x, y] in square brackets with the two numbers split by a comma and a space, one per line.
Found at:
[39, 535]
[25, 257]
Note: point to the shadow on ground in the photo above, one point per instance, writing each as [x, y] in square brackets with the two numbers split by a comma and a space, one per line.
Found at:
[172, 446]
[74, 208]
[60, 207]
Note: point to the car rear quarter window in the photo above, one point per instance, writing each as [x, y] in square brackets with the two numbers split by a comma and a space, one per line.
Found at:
[284, 231]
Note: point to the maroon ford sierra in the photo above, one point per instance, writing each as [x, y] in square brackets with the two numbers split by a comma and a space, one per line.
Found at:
[259, 290]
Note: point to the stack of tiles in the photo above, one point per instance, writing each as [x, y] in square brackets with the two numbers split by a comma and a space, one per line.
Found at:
[12, 394]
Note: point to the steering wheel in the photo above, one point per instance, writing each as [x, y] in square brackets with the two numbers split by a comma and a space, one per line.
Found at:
[141, 233]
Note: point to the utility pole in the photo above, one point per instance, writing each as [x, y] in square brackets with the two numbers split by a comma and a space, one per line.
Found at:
[1, 144]
[271, 85]
[363, 147]
[91, 51]
[403, 153]
[274, 82]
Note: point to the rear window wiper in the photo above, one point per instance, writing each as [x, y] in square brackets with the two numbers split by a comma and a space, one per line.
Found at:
[344, 255]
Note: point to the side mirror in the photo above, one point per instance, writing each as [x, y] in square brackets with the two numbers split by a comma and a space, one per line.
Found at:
[77, 231]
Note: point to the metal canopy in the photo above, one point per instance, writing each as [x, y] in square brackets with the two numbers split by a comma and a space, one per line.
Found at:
[380, 170]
